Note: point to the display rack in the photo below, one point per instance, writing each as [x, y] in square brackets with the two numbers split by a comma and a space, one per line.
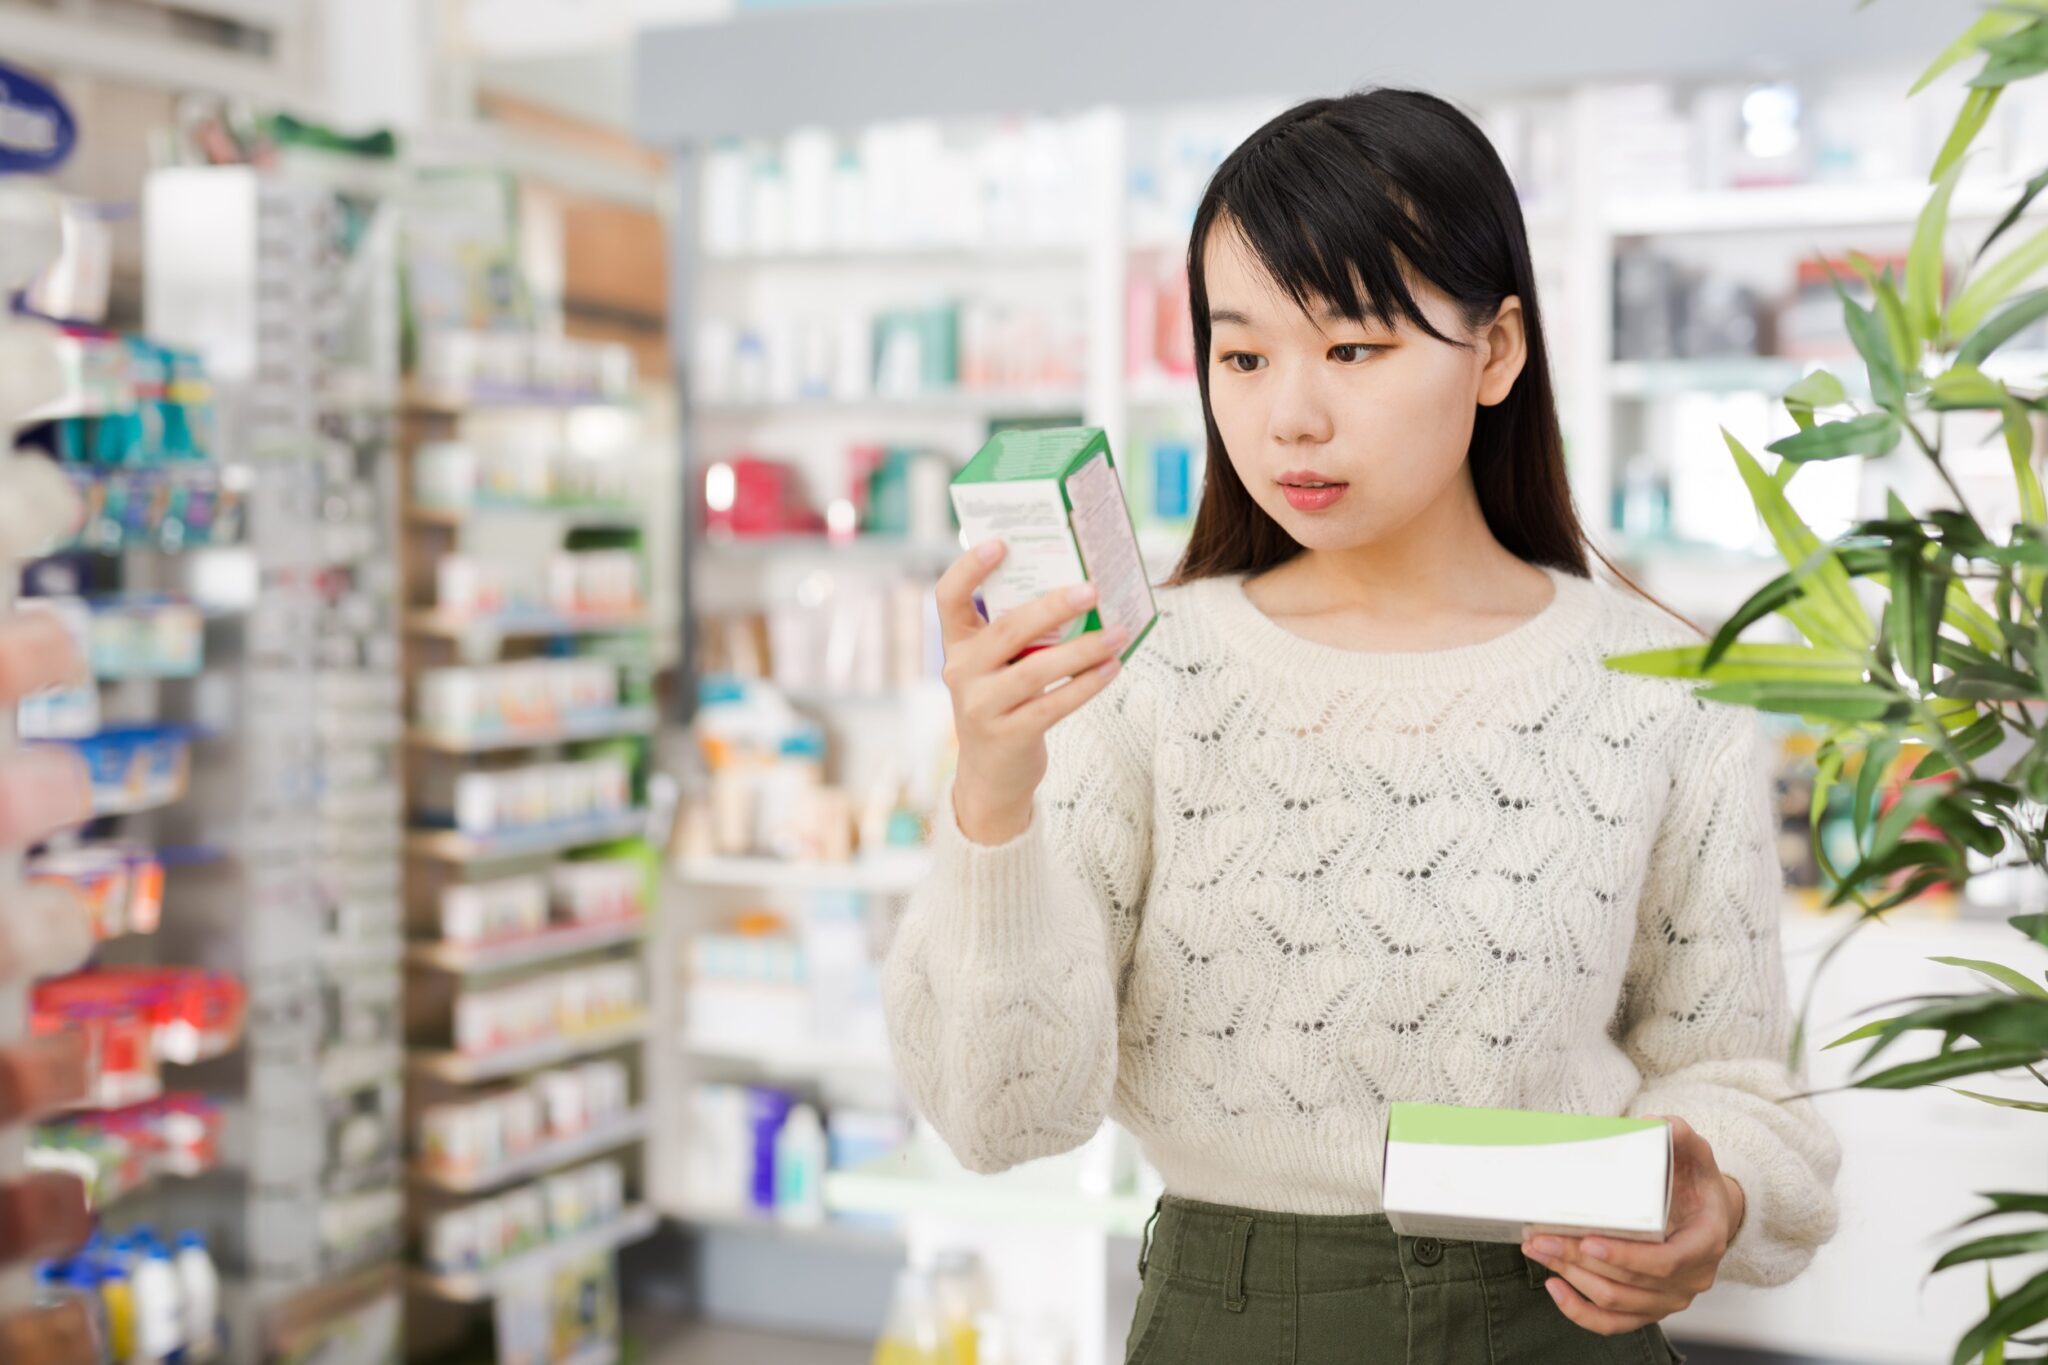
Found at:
[287, 283]
[440, 970]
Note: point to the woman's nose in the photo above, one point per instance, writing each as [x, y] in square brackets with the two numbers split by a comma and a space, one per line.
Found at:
[1299, 414]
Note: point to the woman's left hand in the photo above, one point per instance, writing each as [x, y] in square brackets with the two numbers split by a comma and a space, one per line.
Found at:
[1612, 1286]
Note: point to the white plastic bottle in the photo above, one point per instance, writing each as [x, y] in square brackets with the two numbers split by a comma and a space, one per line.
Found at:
[200, 1300]
[800, 1168]
[159, 1319]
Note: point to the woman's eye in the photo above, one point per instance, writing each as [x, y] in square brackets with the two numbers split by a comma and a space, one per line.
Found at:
[1352, 353]
[1244, 362]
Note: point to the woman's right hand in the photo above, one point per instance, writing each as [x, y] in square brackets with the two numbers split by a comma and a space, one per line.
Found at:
[1001, 709]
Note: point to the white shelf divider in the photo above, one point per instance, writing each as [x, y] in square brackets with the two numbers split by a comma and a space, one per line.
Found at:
[481, 1285]
[621, 1132]
[468, 1069]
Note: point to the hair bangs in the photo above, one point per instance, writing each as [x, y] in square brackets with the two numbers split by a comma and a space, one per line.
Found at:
[1327, 235]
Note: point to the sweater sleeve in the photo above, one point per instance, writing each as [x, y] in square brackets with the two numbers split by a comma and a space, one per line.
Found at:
[1705, 1015]
[1000, 986]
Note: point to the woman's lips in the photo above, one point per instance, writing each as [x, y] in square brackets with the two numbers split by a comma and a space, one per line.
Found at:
[1312, 499]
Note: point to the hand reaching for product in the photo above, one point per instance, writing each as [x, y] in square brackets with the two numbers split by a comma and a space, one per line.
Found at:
[1001, 708]
[1610, 1285]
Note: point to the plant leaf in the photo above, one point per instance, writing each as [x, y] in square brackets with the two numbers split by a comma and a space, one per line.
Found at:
[1991, 25]
[2035, 1106]
[1964, 1061]
[1820, 700]
[1977, 298]
[2017, 1311]
[1999, 972]
[1834, 616]
[1886, 349]
[1969, 121]
[1873, 433]
[1995, 1247]
[2004, 1202]
[1745, 662]
[2002, 326]
[1974, 741]
[2012, 215]
[1923, 259]
[1965, 386]
[1904, 335]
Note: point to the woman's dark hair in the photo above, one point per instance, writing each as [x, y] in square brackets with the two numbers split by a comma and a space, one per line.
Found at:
[1335, 194]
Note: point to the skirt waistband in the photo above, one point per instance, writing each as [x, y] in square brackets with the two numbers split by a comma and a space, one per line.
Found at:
[1262, 1252]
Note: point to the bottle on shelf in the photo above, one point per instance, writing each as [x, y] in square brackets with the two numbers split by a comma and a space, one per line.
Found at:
[915, 1333]
[964, 1301]
[199, 1300]
[800, 1169]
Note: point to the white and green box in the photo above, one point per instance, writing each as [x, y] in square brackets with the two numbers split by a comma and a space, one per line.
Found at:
[1053, 497]
[1498, 1175]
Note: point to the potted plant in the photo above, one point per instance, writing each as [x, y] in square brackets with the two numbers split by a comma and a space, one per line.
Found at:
[1924, 642]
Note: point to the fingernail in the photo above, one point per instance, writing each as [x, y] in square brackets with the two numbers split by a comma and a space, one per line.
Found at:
[1546, 1246]
[1119, 636]
[987, 551]
[1556, 1288]
[1594, 1249]
[1081, 594]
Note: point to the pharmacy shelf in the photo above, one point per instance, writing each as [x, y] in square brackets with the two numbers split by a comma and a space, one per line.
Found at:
[1714, 374]
[797, 1060]
[909, 1182]
[968, 402]
[853, 1236]
[561, 514]
[879, 876]
[1793, 208]
[464, 1069]
[981, 255]
[895, 549]
[133, 805]
[521, 625]
[456, 847]
[482, 1285]
[631, 720]
[434, 403]
[527, 950]
[620, 1132]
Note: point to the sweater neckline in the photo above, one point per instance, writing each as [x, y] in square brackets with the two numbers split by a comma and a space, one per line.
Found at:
[1535, 643]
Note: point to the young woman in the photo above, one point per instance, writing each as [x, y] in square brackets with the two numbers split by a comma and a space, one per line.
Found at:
[1365, 819]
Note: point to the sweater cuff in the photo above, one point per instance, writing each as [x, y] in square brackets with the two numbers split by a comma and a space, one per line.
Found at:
[995, 908]
[1750, 1258]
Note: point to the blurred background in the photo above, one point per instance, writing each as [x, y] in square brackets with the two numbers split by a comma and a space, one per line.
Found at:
[516, 437]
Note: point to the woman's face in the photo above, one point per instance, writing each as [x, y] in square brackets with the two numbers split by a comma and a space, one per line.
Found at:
[1385, 414]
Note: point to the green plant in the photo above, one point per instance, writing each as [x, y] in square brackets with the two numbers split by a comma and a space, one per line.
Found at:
[1948, 672]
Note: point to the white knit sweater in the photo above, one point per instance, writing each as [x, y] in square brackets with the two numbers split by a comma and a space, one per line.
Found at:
[1272, 885]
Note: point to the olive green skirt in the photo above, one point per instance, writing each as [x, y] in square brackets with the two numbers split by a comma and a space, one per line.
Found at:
[1230, 1286]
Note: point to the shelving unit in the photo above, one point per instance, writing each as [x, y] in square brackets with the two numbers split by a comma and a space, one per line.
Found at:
[306, 893]
[482, 1286]
[548, 1156]
[440, 972]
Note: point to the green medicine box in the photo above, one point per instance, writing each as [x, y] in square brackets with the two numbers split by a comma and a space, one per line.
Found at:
[1054, 499]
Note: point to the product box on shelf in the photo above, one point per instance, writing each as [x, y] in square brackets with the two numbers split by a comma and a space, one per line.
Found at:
[1055, 500]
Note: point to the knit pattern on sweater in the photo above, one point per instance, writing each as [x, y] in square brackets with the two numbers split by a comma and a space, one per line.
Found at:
[1272, 886]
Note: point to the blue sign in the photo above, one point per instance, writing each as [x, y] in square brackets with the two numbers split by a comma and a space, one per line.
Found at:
[36, 131]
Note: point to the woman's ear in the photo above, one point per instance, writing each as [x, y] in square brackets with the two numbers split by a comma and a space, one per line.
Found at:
[1503, 346]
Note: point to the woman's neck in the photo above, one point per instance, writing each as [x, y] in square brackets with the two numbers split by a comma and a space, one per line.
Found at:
[1403, 597]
